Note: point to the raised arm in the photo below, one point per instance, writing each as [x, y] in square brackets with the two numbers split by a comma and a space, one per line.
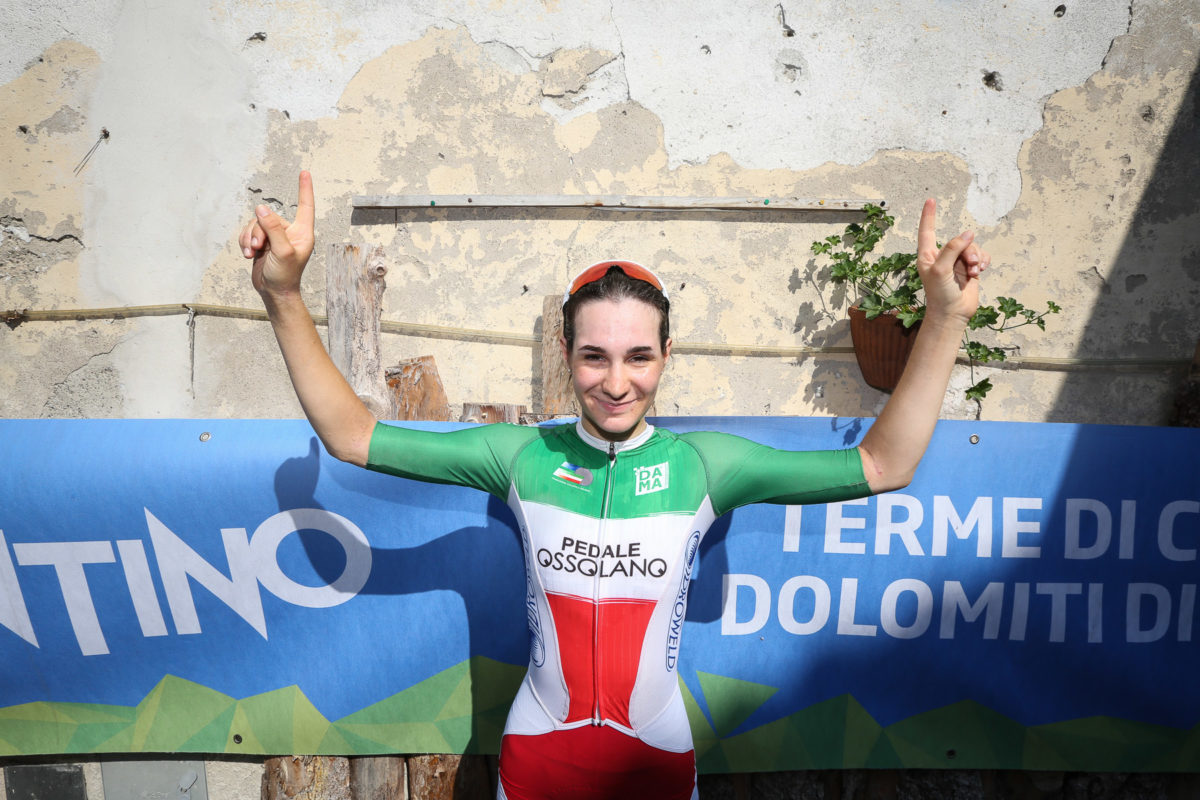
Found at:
[894, 445]
[280, 252]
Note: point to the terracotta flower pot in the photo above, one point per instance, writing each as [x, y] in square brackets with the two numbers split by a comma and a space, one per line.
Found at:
[881, 346]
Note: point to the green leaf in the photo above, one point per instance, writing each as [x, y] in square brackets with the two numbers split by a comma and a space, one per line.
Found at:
[979, 390]
[871, 306]
[983, 317]
[1009, 307]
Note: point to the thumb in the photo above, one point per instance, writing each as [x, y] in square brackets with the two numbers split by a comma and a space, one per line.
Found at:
[274, 228]
[953, 249]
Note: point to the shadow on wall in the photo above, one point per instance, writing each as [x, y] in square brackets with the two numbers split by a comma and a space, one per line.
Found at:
[1123, 323]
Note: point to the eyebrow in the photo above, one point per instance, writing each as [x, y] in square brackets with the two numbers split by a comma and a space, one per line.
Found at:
[595, 348]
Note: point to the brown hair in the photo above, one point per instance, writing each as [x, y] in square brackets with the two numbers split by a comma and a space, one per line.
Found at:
[616, 285]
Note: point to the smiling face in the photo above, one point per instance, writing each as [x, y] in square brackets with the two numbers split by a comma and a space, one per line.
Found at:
[616, 364]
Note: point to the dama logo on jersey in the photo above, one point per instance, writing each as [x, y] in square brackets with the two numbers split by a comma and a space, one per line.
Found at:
[652, 479]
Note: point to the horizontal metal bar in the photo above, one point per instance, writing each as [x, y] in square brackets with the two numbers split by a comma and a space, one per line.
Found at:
[16, 317]
[613, 202]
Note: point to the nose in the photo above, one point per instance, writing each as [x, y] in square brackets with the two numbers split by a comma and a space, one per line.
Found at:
[616, 382]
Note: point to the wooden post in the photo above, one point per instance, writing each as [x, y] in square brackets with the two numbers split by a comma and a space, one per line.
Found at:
[306, 778]
[492, 412]
[415, 390]
[449, 777]
[378, 778]
[353, 299]
[558, 399]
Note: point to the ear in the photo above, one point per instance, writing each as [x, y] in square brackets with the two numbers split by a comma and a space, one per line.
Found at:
[667, 352]
[562, 345]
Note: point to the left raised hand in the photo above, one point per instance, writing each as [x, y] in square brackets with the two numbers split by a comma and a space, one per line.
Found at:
[950, 275]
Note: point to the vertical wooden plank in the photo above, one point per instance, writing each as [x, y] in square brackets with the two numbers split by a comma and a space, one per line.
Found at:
[378, 778]
[448, 777]
[492, 412]
[558, 399]
[415, 390]
[354, 283]
[306, 778]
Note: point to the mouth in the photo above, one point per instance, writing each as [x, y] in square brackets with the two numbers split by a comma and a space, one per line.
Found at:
[615, 408]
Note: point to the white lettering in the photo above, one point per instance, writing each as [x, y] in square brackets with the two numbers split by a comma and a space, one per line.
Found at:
[1134, 632]
[1014, 526]
[68, 559]
[729, 594]
[1128, 517]
[1095, 612]
[177, 562]
[1076, 506]
[1058, 593]
[1166, 530]
[13, 613]
[791, 529]
[141, 587]
[1187, 609]
[954, 599]
[1020, 615]
[822, 602]
[945, 517]
[264, 546]
[835, 523]
[846, 603]
[887, 526]
[891, 598]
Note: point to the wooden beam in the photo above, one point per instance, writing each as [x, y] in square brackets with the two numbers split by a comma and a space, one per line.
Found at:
[492, 412]
[416, 391]
[353, 301]
[558, 399]
[449, 777]
[616, 202]
[306, 778]
[378, 778]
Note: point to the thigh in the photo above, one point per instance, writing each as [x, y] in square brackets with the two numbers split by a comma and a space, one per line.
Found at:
[592, 763]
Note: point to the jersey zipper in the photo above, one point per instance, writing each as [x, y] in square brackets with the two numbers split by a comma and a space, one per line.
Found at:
[604, 509]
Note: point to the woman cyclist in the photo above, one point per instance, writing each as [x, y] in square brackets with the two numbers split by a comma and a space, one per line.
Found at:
[611, 509]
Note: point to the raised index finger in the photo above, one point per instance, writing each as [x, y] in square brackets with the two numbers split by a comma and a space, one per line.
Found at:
[927, 230]
[306, 208]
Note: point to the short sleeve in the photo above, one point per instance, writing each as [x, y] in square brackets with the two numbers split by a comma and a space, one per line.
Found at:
[741, 472]
[480, 457]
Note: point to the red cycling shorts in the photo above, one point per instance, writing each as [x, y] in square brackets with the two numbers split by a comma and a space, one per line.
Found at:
[593, 762]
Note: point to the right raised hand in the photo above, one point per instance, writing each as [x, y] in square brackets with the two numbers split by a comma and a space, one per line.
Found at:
[280, 251]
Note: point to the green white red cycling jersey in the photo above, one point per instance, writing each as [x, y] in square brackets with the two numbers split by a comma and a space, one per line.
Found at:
[610, 533]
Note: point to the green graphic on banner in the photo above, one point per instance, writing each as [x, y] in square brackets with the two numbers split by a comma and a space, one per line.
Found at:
[463, 708]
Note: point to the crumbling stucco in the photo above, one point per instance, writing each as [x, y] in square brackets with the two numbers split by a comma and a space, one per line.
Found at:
[1067, 139]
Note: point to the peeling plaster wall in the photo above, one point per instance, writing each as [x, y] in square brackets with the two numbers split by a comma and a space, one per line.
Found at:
[1066, 140]
[1010, 114]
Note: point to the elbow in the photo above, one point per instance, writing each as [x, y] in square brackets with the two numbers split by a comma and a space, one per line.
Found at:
[350, 455]
[882, 477]
[353, 449]
[893, 483]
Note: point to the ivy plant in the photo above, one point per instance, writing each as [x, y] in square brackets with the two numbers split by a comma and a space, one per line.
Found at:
[891, 285]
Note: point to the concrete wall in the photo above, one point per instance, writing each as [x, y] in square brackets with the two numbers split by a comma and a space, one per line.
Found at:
[1066, 137]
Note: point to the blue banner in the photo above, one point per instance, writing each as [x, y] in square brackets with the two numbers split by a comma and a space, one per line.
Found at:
[225, 586]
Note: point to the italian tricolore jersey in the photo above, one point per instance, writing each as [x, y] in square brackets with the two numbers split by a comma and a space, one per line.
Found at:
[610, 533]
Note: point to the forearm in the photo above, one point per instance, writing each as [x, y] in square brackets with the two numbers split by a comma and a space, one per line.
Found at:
[339, 417]
[894, 445]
